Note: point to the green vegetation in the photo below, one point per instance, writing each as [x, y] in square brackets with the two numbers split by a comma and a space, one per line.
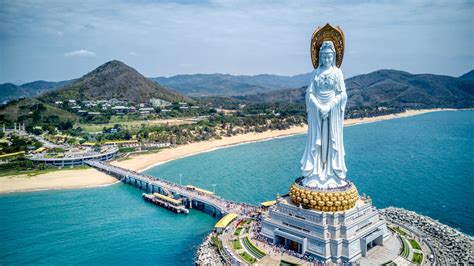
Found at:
[14, 144]
[405, 249]
[237, 231]
[56, 150]
[217, 242]
[12, 151]
[126, 149]
[417, 258]
[390, 263]
[414, 244]
[247, 258]
[37, 113]
[400, 231]
[129, 123]
[255, 251]
[236, 244]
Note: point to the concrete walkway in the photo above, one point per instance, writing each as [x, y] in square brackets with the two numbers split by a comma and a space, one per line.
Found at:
[382, 254]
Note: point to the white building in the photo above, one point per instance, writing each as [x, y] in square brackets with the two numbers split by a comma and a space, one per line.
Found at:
[339, 237]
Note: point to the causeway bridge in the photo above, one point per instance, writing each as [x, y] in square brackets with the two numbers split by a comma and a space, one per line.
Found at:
[192, 199]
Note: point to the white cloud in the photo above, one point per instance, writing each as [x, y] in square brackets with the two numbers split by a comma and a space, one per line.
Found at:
[238, 37]
[80, 53]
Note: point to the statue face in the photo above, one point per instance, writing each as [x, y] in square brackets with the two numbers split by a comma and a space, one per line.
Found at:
[327, 58]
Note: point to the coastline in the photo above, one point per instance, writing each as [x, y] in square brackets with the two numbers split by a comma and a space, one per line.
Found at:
[66, 179]
[144, 162]
[86, 178]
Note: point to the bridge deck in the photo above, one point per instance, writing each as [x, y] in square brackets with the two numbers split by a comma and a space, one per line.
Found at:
[225, 206]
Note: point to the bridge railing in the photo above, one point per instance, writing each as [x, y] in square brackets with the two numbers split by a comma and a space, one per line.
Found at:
[213, 200]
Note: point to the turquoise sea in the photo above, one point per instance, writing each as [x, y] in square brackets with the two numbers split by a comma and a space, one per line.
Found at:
[423, 163]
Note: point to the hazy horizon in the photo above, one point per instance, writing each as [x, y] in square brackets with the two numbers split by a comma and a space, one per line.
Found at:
[18, 83]
[57, 40]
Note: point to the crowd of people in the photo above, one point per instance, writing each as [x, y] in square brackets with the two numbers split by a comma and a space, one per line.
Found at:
[277, 249]
[207, 253]
[225, 206]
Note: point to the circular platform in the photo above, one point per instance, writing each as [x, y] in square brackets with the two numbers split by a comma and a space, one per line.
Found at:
[326, 200]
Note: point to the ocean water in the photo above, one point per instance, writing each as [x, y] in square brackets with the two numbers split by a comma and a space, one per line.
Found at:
[108, 225]
[423, 163]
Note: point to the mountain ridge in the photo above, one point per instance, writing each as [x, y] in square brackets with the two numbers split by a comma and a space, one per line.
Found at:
[218, 84]
[381, 86]
[387, 87]
[114, 79]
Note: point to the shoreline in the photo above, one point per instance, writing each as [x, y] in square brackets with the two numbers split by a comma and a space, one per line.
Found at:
[74, 179]
[212, 145]
[63, 179]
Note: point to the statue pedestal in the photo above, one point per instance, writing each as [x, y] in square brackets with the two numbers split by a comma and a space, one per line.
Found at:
[337, 199]
[329, 236]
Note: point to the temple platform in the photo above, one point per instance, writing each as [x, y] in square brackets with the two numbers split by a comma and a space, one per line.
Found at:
[329, 236]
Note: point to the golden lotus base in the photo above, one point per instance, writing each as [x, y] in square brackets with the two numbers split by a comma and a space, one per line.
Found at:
[324, 200]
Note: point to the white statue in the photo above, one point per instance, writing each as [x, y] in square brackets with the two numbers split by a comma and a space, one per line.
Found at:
[323, 163]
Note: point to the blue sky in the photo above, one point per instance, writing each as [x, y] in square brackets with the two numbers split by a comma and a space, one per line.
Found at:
[59, 40]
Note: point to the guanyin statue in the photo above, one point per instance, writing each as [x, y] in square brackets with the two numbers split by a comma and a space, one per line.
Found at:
[323, 163]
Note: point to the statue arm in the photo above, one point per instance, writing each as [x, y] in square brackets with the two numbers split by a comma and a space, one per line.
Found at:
[341, 96]
[311, 100]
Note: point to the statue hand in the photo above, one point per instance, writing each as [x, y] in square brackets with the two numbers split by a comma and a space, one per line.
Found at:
[324, 111]
[325, 115]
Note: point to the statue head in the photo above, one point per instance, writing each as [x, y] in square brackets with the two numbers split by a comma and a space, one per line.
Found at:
[327, 54]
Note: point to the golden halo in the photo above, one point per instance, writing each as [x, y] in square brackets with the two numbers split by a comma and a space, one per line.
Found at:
[327, 33]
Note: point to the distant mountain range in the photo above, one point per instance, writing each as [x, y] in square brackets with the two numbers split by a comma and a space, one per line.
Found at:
[227, 85]
[197, 85]
[468, 76]
[389, 88]
[9, 91]
[115, 79]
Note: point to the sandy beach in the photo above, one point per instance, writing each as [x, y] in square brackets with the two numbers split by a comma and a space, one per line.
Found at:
[145, 161]
[68, 179]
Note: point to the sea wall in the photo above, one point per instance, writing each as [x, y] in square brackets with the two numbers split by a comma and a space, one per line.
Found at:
[449, 245]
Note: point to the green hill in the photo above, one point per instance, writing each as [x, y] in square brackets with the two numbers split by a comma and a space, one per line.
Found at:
[114, 79]
[34, 113]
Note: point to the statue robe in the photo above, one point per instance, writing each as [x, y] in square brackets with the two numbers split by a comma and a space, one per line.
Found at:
[323, 160]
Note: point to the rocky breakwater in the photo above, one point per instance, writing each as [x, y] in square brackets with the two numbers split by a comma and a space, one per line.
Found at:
[208, 252]
[449, 245]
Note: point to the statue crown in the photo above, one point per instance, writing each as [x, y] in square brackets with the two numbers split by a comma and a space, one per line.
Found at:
[327, 45]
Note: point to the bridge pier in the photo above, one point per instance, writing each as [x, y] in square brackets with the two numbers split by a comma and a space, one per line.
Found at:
[191, 199]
